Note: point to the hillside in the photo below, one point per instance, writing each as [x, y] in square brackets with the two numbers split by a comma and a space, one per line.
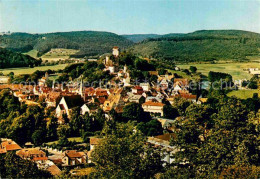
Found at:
[140, 37]
[87, 42]
[10, 59]
[205, 45]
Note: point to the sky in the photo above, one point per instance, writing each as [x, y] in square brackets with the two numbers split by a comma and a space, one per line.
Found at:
[128, 16]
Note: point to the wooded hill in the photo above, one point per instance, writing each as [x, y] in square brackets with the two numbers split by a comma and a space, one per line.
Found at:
[88, 42]
[9, 59]
[204, 45]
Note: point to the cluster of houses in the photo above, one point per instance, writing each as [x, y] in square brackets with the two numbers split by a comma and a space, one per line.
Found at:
[63, 98]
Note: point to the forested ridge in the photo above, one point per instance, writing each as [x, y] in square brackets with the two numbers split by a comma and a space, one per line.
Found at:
[88, 42]
[10, 59]
[205, 45]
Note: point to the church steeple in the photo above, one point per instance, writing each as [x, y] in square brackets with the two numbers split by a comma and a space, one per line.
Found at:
[81, 88]
[53, 84]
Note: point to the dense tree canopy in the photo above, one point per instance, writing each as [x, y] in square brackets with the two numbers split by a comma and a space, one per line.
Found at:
[122, 154]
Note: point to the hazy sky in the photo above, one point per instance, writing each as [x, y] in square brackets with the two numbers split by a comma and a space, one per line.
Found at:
[128, 16]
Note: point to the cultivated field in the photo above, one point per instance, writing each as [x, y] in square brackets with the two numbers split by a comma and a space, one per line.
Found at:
[57, 54]
[234, 69]
[243, 94]
[27, 70]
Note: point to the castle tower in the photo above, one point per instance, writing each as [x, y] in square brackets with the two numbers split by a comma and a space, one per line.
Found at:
[125, 68]
[46, 75]
[115, 51]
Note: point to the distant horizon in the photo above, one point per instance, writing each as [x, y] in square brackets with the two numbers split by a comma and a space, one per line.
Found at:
[126, 17]
[133, 34]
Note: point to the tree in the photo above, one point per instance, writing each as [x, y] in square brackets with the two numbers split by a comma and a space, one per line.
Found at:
[134, 111]
[193, 69]
[170, 112]
[123, 154]
[151, 128]
[12, 166]
[38, 137]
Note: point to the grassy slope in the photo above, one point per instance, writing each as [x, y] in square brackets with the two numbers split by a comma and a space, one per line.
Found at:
[32, 53]
[77, 139]
[234, 69]
[243, 94]
[27, 70]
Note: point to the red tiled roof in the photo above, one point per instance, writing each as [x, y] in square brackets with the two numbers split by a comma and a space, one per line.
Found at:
[151, 103]
[2, 151]
[95, 141]
[40, 158]
[10, 145]
[188, 96]
[138, 88]
[73, 154]
[54, 170]
[101, 100]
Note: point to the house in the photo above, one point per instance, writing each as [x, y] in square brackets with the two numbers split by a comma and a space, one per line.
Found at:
[43, 80]
[136, 98]
[54, 170]
[67, 103]
[4, 79]
[127, 79]
[166, 123]
[8, 145]
[94, 142]
[53, 98]
[72, 157]
[84, 109]
[164, 84]
[115, 99]
[145, 86]
[162, 143]
[153, 107]
[109, 66]
[115, 51]
[189, 97]
[137, 90]
[34, 154]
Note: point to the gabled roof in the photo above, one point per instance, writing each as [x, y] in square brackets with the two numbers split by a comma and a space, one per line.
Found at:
[54, 170]
[73, 101]
[39, 158]
[30, 151]
[73, 154]
[10, 145]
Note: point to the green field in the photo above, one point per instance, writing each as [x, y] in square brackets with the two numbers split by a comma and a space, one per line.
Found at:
[27, 70]
[76, 139]
[243, 94]
[32, 53]
[234, 69]
[56, 54]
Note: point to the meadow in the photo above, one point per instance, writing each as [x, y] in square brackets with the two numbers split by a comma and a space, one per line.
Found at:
[27, 70]
[57, 54]
[234, 69]
[243, 94]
